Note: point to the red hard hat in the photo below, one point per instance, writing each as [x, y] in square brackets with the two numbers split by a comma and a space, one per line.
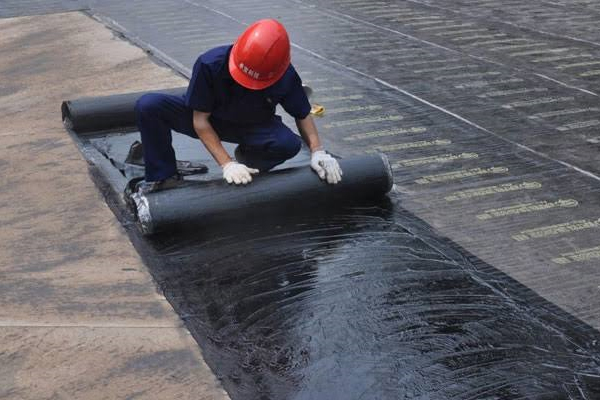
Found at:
[261, 55]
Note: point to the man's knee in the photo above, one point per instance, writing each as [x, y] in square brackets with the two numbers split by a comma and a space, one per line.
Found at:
[288, 145]
[149, 104]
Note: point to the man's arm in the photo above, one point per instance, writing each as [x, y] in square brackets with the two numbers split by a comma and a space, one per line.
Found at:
[308, 131]
[297, 105]
[233, 172]
[209, 137]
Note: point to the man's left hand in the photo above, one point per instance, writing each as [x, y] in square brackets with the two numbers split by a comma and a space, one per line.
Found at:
[326, 167]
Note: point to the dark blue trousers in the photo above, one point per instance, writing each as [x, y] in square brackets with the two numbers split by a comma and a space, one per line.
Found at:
[263, 146]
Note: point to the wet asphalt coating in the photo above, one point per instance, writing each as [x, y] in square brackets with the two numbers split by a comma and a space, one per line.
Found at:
[418, 297]
[366, 303]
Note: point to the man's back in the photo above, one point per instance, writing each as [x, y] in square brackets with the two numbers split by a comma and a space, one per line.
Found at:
[212, 89]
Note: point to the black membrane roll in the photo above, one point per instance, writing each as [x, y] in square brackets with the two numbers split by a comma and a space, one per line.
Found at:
[105, 113]
[284, 191]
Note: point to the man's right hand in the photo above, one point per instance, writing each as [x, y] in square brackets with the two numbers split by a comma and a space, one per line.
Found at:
[326, 167]
[234, 172]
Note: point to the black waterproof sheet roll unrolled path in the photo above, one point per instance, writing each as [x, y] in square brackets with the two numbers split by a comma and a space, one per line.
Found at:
[284, 191]
[97, 114]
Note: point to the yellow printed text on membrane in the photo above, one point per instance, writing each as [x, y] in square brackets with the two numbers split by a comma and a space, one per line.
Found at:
[385, 132]
[434, 159]
[591, 253]
[526, 208]
[489, 190]
[558, 229]
[463, 173]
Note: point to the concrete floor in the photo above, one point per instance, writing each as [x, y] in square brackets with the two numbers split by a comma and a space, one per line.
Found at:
[79, 315]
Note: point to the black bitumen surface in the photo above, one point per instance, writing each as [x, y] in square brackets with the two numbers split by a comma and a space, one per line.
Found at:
[478, 279]
[366, 304]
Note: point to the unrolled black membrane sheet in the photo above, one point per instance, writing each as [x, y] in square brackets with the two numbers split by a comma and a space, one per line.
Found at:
[355, 302]
[365, 303]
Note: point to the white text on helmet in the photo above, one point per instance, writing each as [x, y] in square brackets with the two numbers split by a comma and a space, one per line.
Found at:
[249, 71]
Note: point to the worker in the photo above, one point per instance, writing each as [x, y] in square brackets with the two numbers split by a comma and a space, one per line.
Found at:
[232, 97]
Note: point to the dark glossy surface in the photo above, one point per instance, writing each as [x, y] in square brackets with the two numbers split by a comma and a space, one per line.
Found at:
[365, 304]
[361, 303]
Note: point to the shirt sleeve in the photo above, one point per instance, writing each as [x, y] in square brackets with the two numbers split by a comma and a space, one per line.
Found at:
[295, 101]
[200, 92]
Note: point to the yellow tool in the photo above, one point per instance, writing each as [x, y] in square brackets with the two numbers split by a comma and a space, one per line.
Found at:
[317, 110]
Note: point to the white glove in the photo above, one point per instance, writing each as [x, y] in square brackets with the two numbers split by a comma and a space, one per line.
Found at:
[326, 166]
[234, 172]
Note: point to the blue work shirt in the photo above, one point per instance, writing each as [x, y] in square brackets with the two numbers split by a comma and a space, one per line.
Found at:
[213, 90]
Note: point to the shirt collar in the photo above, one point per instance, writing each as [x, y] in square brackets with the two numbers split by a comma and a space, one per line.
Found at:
[224, 71]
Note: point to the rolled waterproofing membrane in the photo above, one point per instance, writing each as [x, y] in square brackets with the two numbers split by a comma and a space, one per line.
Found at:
[289, 190]
[201, 202]
[97, 114]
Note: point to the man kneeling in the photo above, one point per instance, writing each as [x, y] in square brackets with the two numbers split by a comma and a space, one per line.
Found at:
[232, 97]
